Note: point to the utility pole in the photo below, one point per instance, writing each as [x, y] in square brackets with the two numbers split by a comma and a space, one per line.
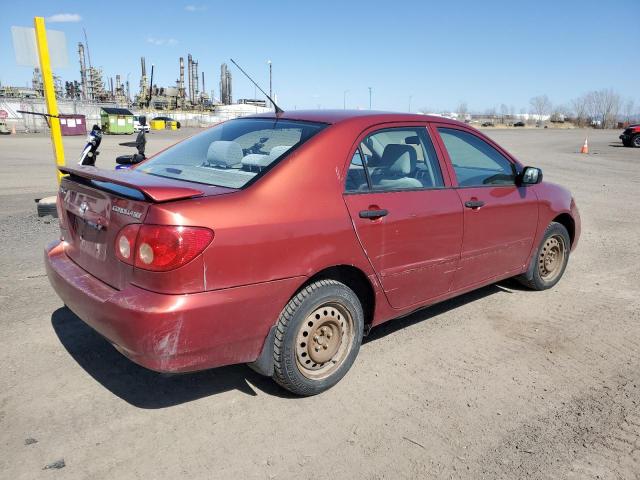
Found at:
[344, 99]
[369, 98]
[270, 81]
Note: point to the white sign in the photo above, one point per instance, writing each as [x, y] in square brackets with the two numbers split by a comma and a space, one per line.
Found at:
[26, 49]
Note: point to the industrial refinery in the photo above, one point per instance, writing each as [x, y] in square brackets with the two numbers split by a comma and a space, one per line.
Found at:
[188, 100]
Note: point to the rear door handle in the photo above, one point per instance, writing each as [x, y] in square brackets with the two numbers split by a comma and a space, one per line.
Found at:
[473, 203]
[373, 214]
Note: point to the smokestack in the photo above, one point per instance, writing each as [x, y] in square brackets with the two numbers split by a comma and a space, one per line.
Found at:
[181, 85]
[83, 71]
[203, 89]
[196, 81]
[118, 83]
[190, 74]
[111, 85]
[144, 70]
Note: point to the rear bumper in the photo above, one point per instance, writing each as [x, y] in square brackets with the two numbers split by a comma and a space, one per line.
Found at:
[172, 333]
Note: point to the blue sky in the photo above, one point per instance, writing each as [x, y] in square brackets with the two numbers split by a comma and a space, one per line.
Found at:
[438, 53]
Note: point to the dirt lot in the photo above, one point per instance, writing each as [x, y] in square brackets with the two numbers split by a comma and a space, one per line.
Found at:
[500, 383]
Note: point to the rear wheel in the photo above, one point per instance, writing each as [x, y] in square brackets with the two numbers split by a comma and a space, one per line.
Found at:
[550, 261]
[317, 338]
[635, 140]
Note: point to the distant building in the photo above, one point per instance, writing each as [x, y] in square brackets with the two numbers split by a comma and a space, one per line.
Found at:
[252, 101]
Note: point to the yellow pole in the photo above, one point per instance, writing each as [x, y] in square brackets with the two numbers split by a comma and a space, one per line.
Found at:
[49, 93]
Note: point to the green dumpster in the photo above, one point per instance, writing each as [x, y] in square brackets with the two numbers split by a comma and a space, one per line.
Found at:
[116, 120]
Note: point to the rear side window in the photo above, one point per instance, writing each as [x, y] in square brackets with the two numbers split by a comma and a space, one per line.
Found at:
[233, 153]
[394, 159]
[475, 162]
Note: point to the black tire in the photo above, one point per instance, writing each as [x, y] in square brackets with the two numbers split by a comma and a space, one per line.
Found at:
[539, 275]
[333, 307]
[635, 140]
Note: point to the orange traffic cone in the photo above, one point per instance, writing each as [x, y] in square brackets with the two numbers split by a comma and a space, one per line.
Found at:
[585, 147]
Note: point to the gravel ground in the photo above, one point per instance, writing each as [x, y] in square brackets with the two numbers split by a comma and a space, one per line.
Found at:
[499, 383]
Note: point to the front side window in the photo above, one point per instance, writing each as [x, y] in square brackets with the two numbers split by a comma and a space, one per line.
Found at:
[475, 162]
[233, 153]
[395, 159]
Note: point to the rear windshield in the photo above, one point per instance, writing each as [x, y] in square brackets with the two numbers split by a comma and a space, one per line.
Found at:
[233, 153]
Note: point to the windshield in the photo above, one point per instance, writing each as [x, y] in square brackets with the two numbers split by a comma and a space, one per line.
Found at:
[233, 153]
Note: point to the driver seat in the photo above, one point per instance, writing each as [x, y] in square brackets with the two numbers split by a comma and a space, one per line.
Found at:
[397, 163]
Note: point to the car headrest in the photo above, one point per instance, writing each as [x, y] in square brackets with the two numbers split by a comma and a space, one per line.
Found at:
[278, 151]
[224, 153]
[257, 160]
[400, 159]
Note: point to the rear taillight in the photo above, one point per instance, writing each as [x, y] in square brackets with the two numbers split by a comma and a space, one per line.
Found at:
[125, 246]
[160, 248]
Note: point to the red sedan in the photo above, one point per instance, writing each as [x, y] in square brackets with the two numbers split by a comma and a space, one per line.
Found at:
[279, 241]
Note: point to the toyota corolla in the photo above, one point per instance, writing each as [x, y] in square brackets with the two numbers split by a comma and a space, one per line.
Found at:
[280, 240]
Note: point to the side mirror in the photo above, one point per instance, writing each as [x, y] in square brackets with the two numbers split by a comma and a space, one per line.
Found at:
[530, 176]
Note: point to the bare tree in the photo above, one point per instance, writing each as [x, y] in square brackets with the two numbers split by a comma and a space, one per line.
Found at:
[490, 112]
[504, 111]
[541, 106]
[462, 111]
[580, 110]
[628, 110]
[604, 106]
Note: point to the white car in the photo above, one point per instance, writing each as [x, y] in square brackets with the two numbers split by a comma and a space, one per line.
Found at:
[137, 127]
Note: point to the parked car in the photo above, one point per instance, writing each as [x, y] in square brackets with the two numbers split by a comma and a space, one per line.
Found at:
[167, 119]
[488, 124]
[631, 136]
[518, 124]
[205, 255]
[137, 126]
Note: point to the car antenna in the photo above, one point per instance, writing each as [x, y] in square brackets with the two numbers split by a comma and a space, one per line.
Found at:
[278, 109]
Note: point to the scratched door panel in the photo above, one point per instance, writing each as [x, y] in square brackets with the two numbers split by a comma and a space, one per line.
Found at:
[497, 236]
[415, 248]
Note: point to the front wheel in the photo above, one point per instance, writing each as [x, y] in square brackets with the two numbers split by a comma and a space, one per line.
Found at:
[635, 140]
[550, 261]
[317, 338]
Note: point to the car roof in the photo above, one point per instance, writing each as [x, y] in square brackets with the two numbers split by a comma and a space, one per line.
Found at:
[367, 116]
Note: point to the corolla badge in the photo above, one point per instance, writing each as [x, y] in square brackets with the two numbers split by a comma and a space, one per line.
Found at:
[126, 211]
[84, 206]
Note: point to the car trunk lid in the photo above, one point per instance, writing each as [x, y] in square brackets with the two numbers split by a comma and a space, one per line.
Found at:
[96, 204]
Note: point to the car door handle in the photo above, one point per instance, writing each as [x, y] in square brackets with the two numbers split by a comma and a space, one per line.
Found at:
[373, 214]
[473, 203]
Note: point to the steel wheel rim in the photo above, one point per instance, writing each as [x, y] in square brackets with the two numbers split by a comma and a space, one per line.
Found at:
[636, 141]
[324, 340]
[551, 258]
